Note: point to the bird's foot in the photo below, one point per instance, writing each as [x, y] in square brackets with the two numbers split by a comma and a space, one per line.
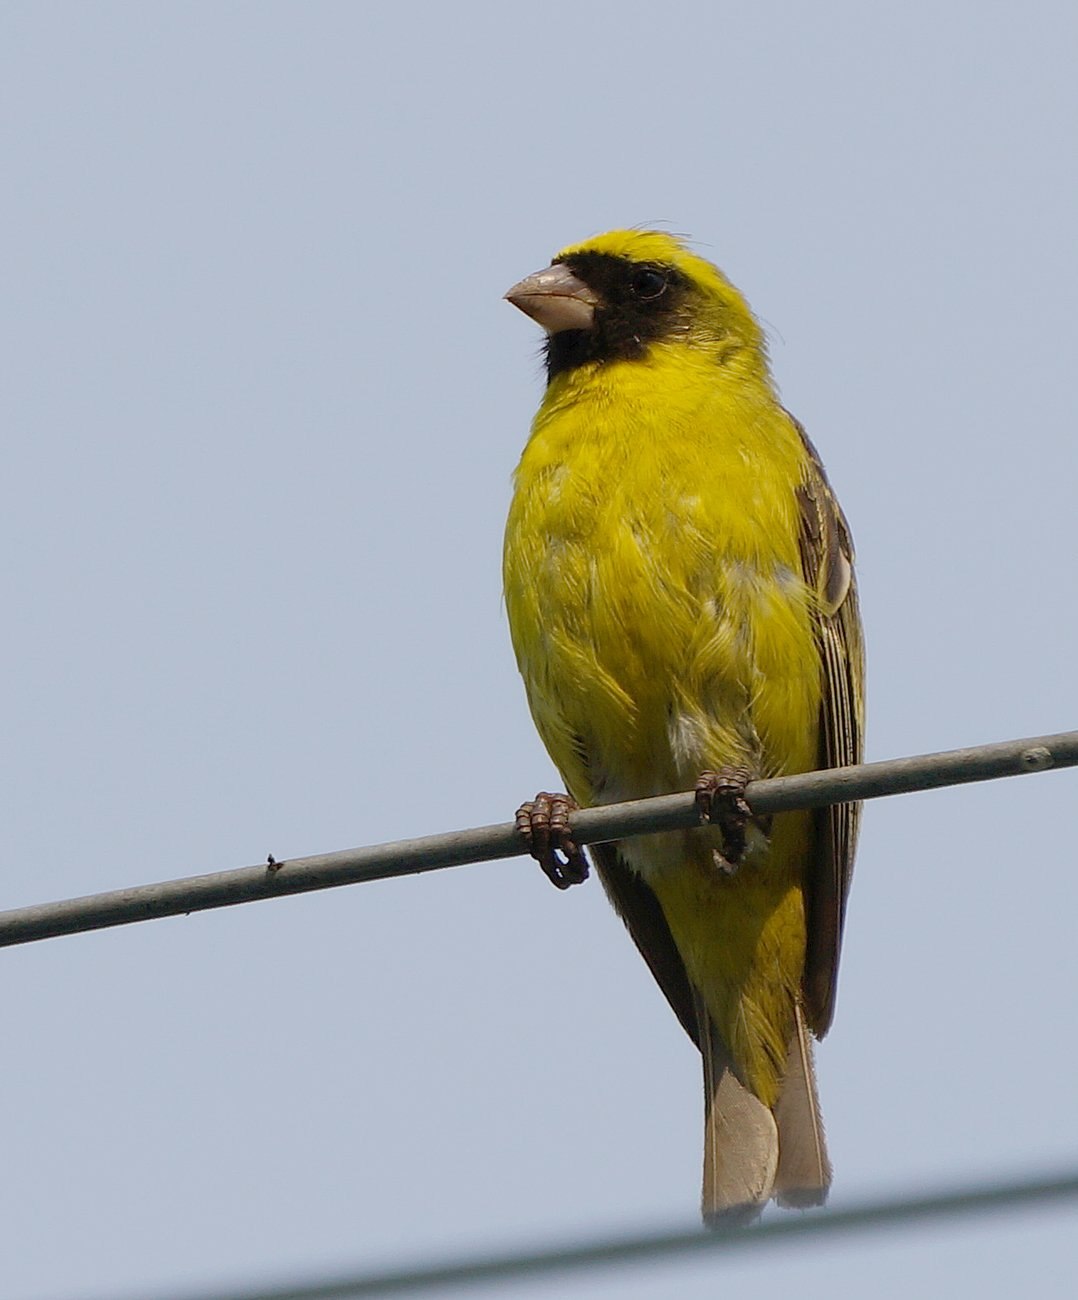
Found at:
[720, 802]
[544, 825]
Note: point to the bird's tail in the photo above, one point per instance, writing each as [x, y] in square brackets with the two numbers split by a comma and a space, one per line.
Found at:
[752, 1153]
[804, 1173]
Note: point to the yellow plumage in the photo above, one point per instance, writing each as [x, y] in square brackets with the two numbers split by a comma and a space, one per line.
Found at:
[665, 623]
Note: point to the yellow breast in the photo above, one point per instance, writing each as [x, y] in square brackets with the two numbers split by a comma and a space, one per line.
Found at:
[662, 626]
[652, 578]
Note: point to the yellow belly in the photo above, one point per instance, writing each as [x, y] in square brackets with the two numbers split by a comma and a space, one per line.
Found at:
[662, 627]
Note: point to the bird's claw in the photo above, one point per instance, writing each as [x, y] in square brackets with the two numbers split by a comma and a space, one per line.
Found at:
[543, 823]
[720, 802]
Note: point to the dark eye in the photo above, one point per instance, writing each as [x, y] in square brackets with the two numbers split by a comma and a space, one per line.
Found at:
[648, 283]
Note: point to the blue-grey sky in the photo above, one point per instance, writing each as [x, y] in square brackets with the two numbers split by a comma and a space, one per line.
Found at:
[261, 404]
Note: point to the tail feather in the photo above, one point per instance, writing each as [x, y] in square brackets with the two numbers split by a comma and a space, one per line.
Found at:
[750, 1152]
[804, 1170]
[741, 1139]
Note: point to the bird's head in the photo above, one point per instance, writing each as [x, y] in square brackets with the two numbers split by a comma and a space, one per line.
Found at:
[613, 297]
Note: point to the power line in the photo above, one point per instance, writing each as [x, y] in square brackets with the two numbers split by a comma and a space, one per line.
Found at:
[967, 1202]
[486, 843]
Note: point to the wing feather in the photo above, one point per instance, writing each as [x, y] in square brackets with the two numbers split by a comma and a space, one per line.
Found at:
[827, 561]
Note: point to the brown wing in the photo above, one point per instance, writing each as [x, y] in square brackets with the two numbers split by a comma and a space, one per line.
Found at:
[636, 904]
[827, 560]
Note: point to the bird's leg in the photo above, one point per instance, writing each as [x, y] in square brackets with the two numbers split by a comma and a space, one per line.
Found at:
[720, 801]
[544, 825]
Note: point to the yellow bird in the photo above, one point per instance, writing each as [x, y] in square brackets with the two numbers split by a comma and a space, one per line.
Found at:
[679, 584]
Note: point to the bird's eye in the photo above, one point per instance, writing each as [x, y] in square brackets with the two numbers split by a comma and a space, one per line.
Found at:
[648, 283]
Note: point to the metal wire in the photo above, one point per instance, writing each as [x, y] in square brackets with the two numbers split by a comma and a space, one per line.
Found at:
[486, 843]
[967, 1202]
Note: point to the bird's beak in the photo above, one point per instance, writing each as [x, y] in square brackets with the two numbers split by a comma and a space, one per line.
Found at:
[556, 299]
